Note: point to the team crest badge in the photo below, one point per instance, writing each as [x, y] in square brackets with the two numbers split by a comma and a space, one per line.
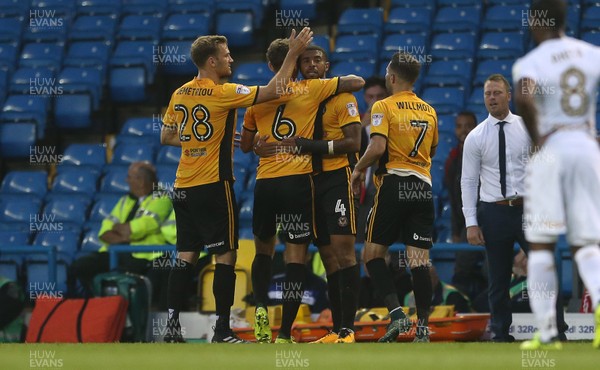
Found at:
[343, 221]
[376, 119]
[352, 111]
[241, 89]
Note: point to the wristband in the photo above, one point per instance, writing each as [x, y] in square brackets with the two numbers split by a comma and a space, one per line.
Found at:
[311, 146]
[330, 146]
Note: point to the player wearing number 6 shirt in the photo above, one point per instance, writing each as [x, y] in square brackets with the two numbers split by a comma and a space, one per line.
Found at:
[334, 149]
[284, 191]
[404, 136]
[556, 91]
[201, 119]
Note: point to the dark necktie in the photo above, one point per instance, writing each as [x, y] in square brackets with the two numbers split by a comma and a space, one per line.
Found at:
[502, 157]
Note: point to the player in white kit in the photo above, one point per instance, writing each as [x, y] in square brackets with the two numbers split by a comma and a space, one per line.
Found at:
[556, 96]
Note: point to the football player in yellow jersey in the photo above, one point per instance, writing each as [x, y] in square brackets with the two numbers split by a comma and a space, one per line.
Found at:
[404, 136]
[283, 195]
[201, 119]
[334, 148]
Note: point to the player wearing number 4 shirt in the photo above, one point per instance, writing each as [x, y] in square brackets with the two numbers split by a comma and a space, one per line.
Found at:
[334, 149]
[404, 136]
[284, 192]
[201, 119]
[556, 91]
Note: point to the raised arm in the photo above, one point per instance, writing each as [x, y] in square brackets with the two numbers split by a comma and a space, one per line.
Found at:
[350, 83]
[297, 46]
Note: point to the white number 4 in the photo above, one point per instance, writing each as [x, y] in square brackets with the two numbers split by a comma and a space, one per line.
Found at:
[339, 207]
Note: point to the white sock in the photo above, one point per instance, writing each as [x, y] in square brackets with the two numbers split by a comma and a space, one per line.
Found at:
[588, 262]
[541, 287]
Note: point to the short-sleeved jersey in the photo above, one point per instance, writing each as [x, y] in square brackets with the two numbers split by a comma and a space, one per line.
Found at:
[338, 111]
[205, 116]
[566, 72]
[411, 128]
[293, 114]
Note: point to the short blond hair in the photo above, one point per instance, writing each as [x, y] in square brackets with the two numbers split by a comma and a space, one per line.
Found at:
[204, 47]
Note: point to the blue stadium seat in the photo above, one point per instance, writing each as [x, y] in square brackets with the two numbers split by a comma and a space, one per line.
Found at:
[449, 73]
[115, 181]
[82, 80]
[510, 45]
[362, 69]
[8, 56]
[573, 18]
[128, 84]
[127, 154]
[168, 154]
[413, 43]
[246, 210]
[445, 100]
[505, 18]
[31, 182]
[323, 41]
[66, 243]
[413, 20]
[88, 54]
[14, 8]
[350, 48]
[253, 73]
[80, 181]
[446, 123]
[186, 27]
[361, 21]
[91, 242]
[255, 7]
[10, 30]
[485, 68]
[103, 206]
[55, 8]
[44, 34]
[237, 27]
[591, 37]
[139, 27]
[37, 280]
[191, 6]
[21, 79]
[73, 111]
[140, 126]
[70, 209]
[458, 3]
[84, 156]
[152, 142]
[26, 108]
[41, 55]
[428, 4]
[446, 141]
[307, 8]
[166, 174]
[175, 58]
[153, 7]
[246, 233]
[476, 100]
[93, 28]
[463, 19]
[99, 7]
[131, 54]
[453, 46]
[16, 139]
[18, 208]
[591, 18]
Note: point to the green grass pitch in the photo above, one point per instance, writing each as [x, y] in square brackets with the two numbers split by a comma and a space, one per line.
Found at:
[363, 356]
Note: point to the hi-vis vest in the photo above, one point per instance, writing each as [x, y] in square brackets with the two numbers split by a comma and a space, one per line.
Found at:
[145, 226]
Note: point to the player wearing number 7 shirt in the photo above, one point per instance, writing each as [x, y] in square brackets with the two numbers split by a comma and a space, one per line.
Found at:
[557, 84]
[284, 191]
[201, 119]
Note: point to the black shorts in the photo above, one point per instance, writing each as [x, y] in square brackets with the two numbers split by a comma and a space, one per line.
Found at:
[206, 217]
[335, 205]
[284, 204]
[402, 210]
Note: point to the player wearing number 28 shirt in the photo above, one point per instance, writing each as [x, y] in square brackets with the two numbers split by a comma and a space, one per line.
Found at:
[557, 84]
[201, 119]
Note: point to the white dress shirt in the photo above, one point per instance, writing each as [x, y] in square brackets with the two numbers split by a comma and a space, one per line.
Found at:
[481, 163]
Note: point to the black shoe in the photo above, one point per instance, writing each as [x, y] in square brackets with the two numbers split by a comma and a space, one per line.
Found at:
[227, 336]
[503, 339]
[173, 336]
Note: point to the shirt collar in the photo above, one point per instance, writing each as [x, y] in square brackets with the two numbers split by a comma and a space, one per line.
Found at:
[510, 118]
